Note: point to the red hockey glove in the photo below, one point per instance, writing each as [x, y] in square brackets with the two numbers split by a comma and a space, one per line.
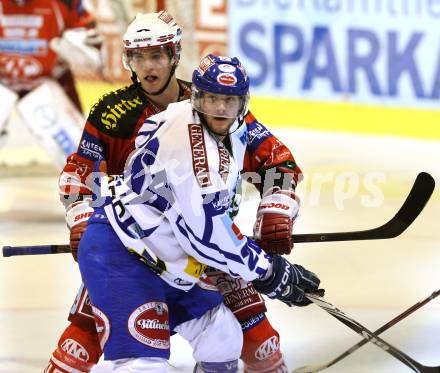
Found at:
[276, 214]
[76, 216]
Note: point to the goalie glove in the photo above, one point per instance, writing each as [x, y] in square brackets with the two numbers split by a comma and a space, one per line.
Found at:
[288, 283]
[77, 215]
[276, 214]
[81, 49]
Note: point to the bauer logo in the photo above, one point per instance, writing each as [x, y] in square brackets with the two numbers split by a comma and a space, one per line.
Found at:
[149, 325]
[267, 348]
[199, 155]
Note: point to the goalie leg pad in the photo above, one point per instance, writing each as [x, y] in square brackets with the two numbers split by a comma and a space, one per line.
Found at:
[239, 295]
[52, 118]
[78, 350]
[261, 347]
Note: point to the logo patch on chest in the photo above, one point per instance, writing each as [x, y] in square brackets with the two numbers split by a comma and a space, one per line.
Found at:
[199, 155]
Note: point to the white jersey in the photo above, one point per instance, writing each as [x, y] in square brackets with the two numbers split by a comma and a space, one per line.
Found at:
[172, 204]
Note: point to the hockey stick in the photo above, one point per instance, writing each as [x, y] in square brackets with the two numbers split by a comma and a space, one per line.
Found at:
[371, 337]
[411, 208]
[389, 324]
[415, 202]
[35, 250]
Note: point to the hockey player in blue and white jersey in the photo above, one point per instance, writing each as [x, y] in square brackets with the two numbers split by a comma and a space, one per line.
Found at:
[172, 210]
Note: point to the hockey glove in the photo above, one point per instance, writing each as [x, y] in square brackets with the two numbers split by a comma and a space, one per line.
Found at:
[276, 214]
[76, 217]
[288, 283]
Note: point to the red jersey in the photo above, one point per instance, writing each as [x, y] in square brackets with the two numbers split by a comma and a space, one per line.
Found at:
[25, 33]
[111, 129]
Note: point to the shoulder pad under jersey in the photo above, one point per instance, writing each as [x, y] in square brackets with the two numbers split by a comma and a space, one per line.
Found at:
[117, 113]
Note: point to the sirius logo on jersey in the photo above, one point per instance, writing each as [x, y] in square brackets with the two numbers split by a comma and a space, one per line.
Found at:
[110, 118]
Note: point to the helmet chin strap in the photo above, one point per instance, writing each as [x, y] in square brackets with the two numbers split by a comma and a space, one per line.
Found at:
[205, 123]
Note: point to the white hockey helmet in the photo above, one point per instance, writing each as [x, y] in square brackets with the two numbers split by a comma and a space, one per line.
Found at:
[153, 30]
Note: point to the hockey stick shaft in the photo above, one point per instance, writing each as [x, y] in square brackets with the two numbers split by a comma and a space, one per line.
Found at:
[411, 208]
[370, 336]
[35, 250]
[417, 198]
[389, 324]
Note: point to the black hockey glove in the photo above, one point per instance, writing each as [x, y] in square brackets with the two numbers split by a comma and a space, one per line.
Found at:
[288, 283]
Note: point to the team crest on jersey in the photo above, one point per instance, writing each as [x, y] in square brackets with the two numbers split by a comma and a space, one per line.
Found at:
[199, 155]
[149, 325]
[102, 326]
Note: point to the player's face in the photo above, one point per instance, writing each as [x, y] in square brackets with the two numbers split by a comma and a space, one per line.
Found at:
[152, 67]
[220, 111]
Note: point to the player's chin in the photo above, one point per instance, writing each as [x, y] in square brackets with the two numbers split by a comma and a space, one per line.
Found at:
[222, 123]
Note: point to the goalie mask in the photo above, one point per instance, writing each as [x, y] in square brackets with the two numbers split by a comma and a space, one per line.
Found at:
[220, 87]
[152, 30]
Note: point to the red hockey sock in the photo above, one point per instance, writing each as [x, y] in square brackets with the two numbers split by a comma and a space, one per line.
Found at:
[261, 349]
[78, 351]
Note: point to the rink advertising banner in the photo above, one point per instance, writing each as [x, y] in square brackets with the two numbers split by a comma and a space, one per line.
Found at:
[380, 52]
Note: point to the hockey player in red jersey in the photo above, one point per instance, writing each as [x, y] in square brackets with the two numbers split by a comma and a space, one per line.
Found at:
[152, 51]
[33, 73]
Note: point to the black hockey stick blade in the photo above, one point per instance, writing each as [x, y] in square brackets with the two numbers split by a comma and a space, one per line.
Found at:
[383, 328]
[413, 205]
[35, 250]
[370, 336]
[411, 208]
